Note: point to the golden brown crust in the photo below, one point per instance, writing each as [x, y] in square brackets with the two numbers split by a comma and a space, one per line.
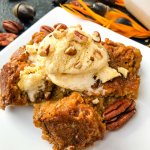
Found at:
[10, 93]
[69, 122]
[128, 57]
[121, 87]
[20, 55]
[10, 75]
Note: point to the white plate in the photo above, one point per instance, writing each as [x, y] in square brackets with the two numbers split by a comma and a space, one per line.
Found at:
[17, 131]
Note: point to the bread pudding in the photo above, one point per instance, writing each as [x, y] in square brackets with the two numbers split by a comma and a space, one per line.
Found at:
[79, 85]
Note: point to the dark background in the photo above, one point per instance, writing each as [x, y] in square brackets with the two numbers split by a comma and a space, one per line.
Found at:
[41, 7]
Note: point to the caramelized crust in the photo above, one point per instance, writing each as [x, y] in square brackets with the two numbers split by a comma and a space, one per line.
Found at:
[120, 55]
[127, 57]
[69, 123]
[10, 73]
[10, 92]
[121, 87]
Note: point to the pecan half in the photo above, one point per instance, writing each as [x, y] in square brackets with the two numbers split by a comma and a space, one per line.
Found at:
[37, 37]
[6, 38]
[46, 29]
[71, 51]
[79, 37]
[60, 26]
[12, 26]
[117, 114]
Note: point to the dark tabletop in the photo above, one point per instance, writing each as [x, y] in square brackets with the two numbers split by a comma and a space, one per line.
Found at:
[42, 7]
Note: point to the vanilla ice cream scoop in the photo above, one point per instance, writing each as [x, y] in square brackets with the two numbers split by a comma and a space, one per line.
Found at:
[72, 59]
[68, 55]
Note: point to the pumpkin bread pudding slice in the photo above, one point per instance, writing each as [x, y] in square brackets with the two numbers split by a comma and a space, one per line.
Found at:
[69, 123]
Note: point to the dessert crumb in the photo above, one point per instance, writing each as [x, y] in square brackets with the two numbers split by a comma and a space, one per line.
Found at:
[95, 101]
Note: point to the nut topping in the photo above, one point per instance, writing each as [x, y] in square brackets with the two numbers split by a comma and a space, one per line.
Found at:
[117, 114]
[12, 26]
[45, 52]
[6, 38]
[78, 65]
[60, 26]
[96, 37]
[60, 30]
[98, 54]
[92, 58]
[79, 37]
[38, 37]
[46, 29]
[71, 51]
[59, 34]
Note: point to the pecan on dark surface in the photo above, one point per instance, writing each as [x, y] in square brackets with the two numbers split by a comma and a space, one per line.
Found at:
[12, 26]
[7, 38]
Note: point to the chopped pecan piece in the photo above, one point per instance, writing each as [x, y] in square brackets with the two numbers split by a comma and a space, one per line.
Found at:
[46, 29]
[7, 38]
[71, 51]
[79, 37]
[45, 52]
[78, 65]
[98, 54]
[92, 58]
[37, 37]
[117, 114]
[60, 26]
[96, 37]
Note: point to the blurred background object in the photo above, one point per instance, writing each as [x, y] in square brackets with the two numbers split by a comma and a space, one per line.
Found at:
[140, 9]
[6, 6]
[23, 11]
[43, 7]
[108, 16]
